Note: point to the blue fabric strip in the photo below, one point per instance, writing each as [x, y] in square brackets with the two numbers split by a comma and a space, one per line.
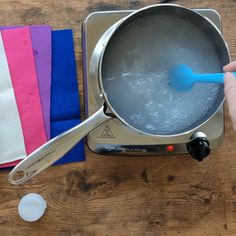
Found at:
[65, 108]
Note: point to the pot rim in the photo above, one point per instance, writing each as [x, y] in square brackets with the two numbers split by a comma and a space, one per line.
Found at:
[113, 29]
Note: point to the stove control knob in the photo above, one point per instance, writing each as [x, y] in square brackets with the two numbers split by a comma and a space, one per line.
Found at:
[198, 146]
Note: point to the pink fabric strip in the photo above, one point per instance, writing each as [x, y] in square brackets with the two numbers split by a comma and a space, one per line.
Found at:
[9, 164]
[18, 47]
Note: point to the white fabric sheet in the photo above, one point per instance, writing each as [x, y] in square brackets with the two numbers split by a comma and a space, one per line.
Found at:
[12, 145]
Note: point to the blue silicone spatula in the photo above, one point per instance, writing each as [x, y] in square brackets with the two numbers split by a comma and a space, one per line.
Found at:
[183, 78]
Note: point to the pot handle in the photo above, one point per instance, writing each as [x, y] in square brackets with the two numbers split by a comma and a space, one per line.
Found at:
[54, 149]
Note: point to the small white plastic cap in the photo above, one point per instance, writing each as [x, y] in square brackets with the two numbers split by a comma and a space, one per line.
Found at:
[32, 207]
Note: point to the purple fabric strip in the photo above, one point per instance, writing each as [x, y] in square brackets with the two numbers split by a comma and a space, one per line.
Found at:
[41, 43]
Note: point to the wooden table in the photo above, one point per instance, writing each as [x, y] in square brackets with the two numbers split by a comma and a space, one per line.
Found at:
[125, 196]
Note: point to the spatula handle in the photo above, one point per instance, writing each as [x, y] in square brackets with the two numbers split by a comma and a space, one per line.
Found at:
[211, 78]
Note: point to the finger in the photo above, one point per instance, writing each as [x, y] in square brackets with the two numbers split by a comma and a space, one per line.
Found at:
[230, 67]
[230, 94]
[230, 84]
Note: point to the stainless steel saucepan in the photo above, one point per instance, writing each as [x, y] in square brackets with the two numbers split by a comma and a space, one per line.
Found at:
[131, 63]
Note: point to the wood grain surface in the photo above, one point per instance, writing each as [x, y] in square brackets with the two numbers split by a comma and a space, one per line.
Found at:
[121, 195]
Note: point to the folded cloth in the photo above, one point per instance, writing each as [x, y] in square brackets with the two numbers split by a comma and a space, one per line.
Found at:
[18, 47]
[41, 43]
[12, 145]
[65, 107]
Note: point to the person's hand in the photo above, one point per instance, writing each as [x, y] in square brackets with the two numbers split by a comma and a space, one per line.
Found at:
[230, 90]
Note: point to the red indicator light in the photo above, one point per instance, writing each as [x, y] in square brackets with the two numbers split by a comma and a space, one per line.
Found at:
[170, 148]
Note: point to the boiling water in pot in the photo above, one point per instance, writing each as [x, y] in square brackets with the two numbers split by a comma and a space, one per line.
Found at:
[135, 74]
